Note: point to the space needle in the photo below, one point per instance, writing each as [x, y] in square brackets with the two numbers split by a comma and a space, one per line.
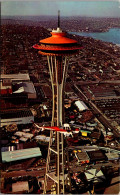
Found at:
[58, 48]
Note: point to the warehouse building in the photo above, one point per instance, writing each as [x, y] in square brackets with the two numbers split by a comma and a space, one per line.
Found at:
[23, 116]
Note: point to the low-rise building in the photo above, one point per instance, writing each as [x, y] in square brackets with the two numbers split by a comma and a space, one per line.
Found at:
[9, 156]
[81, 105]
[23, 116]
[25, 87]
[15, 77]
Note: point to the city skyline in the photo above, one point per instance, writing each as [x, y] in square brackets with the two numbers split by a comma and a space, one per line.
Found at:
[67, 8]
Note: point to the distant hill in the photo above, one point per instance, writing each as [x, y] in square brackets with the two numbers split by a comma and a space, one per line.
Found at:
[89, 24]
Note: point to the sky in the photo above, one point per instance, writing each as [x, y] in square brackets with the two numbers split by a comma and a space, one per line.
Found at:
[88, 8]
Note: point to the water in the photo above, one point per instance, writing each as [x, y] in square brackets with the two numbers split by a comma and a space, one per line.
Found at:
[113, 35]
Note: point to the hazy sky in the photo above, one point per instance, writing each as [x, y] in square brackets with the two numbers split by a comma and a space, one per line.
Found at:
[67, 8]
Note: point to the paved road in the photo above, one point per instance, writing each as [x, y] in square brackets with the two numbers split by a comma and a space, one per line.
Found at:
[98, 82]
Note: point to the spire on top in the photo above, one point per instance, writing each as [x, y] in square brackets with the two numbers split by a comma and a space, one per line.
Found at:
[58, 28]
[58, 18]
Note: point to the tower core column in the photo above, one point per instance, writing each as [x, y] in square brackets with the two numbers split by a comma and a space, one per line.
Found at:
[58, 70]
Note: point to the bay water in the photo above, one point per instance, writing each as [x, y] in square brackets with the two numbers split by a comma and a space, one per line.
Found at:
[113, 35]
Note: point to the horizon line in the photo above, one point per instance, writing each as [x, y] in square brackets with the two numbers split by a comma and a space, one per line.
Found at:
[61, 16]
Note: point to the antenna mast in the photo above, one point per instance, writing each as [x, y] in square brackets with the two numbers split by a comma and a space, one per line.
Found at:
[58, 18]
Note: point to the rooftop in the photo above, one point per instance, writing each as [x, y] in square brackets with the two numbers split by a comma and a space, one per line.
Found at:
[18, 76]
[20, 154]
[16, 113]
[58, 38]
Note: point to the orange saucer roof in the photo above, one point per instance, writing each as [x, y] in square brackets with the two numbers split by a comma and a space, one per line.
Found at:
[58, 38]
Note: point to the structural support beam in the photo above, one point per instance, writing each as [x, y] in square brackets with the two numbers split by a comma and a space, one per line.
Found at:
[58, 71]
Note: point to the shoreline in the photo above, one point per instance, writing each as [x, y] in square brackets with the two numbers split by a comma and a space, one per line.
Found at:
[108, 36]
[94, 31]
[118, 45]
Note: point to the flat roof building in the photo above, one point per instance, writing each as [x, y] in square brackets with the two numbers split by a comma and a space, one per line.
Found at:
[81, 105]
[20, 186]
[25, 87]
[23, 116]
[15, 155]
[16, 77]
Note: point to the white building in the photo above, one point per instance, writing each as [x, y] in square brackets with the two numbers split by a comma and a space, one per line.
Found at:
[81, 105]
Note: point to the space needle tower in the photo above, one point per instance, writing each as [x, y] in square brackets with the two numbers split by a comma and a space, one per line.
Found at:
[58, 48]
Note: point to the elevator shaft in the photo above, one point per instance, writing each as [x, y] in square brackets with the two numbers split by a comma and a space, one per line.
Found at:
[58, 66]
